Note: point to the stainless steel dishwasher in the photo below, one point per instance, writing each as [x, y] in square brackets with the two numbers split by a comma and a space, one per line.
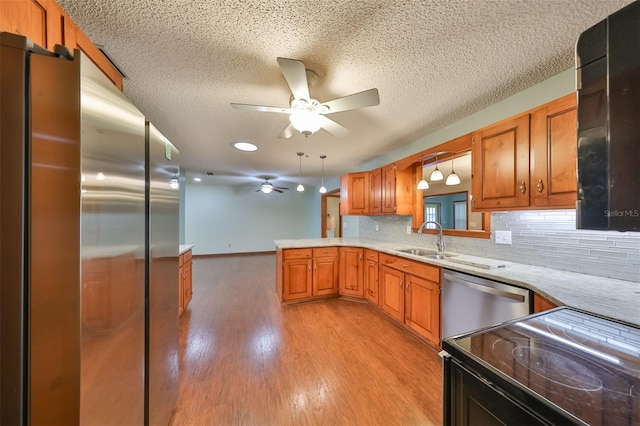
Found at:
[470, 303]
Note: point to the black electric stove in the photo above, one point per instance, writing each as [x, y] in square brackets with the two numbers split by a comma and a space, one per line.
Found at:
[562, 366]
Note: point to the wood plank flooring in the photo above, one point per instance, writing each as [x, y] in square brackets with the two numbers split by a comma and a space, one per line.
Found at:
[244, 359]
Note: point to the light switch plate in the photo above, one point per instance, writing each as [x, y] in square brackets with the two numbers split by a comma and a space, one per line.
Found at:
[408, 229]
[503, 237]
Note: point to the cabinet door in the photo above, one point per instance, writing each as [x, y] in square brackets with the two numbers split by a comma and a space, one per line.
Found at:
[376, 191]
[500, 156]
[188, 282]
[354, 193]
[392, 292]
[38, 20]
[297, 279]
[389, 189]
[371, 281]
[351, 271]
[325, 276]
[422, 312]
[554, 149]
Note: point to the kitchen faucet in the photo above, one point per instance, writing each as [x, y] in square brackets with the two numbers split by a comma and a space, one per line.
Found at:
[440, 242]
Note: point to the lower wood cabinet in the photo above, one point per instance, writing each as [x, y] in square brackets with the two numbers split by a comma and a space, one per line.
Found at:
[308, 273]
[410, 293]
[185, 285]
[351, 271]
[371, 277]
[541, 304]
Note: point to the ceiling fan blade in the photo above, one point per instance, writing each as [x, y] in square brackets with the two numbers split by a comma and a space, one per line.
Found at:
[287, 133]
[357, 100]
[296, 75]
[277, 190]
[332, 127]
[260, 108]
[281, 187]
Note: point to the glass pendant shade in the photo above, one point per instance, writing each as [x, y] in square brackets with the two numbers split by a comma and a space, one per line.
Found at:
[436, 175]
[453, 178]
[323, 190]
[305, 122]
[300, 187]
[423, 184]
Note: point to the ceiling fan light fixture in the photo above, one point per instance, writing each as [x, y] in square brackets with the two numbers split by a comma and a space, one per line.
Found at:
[266, 188]
[306, 122]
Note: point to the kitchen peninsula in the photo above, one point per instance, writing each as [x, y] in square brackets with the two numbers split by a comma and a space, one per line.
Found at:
[613, 298]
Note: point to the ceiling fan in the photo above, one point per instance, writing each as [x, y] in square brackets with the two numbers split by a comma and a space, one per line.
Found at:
[306, 114]
[267, 187]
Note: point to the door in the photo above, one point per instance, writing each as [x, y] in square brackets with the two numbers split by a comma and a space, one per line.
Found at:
[392, 292]
[422, 312]
[351, 271]
[297, 279]
[325, 276]
[554, 151]
[500, 155]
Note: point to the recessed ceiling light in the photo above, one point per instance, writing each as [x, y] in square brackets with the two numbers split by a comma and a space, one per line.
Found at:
[197, 179]
[245, 146]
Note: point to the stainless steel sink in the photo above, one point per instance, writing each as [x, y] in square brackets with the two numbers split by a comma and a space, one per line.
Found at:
[417, 251]
[431, 254]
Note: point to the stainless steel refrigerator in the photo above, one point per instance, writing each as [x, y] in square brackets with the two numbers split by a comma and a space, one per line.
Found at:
[89, 247]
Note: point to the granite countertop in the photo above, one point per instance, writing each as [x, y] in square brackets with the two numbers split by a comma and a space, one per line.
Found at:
[609, 297]
[184, 248]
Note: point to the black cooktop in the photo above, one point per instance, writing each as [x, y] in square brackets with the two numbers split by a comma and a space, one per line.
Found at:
[585, 365]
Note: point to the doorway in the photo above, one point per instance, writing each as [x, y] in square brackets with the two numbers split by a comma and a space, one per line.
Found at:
[331, 215]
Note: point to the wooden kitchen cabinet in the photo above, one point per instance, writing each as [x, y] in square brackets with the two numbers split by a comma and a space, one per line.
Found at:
[542, 304]
[392, 292]
[410, 293]
[351, 271]
[308, 273]
[371, 277]
[500, 165]
[185, 277]
[355, 192]
[46, 24]
[325, 271]
[527, 161]
[376, 191]
[553, 154]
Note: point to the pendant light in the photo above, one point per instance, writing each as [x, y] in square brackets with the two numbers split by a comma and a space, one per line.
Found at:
[323, 190]
[423, 184]
[300, 188]
[436, 174]
[453, 178]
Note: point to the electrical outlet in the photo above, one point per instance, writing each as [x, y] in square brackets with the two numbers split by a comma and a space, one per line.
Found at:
[503, 237]
[377, 227]
[409, 230]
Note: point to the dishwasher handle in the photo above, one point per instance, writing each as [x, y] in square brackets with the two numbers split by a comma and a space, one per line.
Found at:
[458, 279]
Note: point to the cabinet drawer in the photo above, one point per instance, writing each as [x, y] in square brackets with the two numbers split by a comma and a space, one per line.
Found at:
[325, 252]
[371, 255]
[297, 253]
[187, 256]
[423, 270]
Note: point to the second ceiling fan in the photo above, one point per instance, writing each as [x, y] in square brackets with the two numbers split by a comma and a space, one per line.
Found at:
[306, 114]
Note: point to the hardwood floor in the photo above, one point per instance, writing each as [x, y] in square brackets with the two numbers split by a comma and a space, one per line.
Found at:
[244, 359]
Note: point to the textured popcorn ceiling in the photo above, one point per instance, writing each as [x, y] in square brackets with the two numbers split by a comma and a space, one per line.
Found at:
[433, 62]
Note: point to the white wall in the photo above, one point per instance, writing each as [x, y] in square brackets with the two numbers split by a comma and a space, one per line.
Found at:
[226, 219]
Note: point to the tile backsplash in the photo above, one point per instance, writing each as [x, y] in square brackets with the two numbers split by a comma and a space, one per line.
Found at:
[542, 238]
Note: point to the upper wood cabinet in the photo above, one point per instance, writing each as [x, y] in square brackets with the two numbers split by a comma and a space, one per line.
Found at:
[46, 24]
[355, 192]
[376, 191]
[398, 190]
[528, 161]
[500, 165]
[553, 154]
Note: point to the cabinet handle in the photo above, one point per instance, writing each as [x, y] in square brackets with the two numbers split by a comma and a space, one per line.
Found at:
[315, 267]
[540, 186]
[523, 187]
[401, 283]
[404, 265]
[407, 286]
